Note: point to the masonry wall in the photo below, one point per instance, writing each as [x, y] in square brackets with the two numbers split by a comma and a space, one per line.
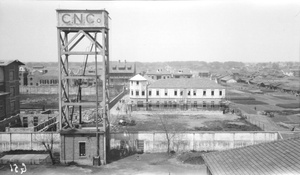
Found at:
[70, 148]
[27, 141]
[187, 141]
[54, 90]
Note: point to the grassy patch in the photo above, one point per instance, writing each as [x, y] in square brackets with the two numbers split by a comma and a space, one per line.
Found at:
[284, 98]
[267, 90]
[240, 98]
[249, 102]
[290, 105]
[227, 125]
[284, 112]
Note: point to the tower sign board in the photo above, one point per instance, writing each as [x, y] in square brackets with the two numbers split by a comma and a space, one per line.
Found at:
[82, 19]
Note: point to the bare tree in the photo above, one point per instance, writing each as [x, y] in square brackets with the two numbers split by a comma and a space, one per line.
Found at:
[47, 141]
[168, 129]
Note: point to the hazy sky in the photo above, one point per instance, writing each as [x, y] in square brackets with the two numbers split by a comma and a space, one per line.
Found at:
[147, 31]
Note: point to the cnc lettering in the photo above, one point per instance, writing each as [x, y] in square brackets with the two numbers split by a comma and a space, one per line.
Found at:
[79, 19]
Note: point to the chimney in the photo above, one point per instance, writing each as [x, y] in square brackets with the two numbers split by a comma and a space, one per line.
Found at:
[119, 61]
[125, 61]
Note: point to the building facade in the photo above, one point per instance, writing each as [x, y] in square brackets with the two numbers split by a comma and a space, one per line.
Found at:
[204, 74]
[9, 88]
[121, 72]
[173, 92]
[159, 74]
[80, 146]
[23, 76]
[45, 77]
[184, 73]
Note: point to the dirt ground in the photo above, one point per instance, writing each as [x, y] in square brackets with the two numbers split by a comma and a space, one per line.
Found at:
[178, 120]
[138, 164]
[276, 123]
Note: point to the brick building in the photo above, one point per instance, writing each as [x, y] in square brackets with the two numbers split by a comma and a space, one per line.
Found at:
[80, 146]
[9, 88]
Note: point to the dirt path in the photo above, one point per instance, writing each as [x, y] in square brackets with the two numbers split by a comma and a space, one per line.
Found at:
[144, 164]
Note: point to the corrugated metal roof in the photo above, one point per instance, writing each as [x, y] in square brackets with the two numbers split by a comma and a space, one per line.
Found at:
[278, 157]
[7, 62]
[185, 83]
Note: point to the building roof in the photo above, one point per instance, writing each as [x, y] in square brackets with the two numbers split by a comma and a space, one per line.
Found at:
[278, 157]
[196, 83]
[158, 72]
[182, 72]
[138, 77]
[121, 67]
[7, 62]
[204, 71]
[227, 78]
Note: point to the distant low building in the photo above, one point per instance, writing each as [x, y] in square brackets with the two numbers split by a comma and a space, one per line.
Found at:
[45, 77]
[296, 72]
[158, 74]
[182, 73]
[204, 74]
[173, 92]
[121, 72]
[228, 79]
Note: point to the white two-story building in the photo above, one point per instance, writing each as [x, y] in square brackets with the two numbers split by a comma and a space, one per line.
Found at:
[173, 92]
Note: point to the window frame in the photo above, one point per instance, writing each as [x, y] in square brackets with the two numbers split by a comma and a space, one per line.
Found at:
[80, 144]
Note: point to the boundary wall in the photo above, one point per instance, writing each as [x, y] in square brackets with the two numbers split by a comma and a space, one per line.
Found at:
[152, 141]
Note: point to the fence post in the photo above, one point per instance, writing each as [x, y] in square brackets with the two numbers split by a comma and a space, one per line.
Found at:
[193, 141]
[31, 141]
[233, 140]
[153, 140]
[9, 141]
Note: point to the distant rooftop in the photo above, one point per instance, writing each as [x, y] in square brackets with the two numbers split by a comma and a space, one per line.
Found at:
[158, 71]
[278, 157]
[121, 67]
[138, 77]
[7, 62]
[185, 83]
[182, 72]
